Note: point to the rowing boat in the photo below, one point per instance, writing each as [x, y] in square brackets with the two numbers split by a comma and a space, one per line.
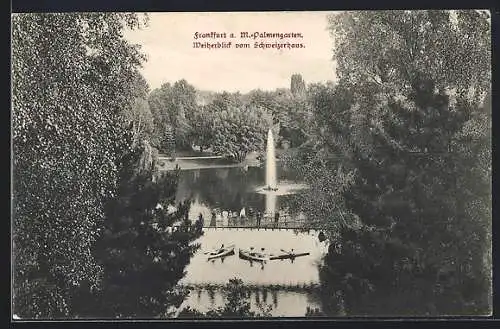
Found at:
[228, 251]
[288, 255]
[251, 255]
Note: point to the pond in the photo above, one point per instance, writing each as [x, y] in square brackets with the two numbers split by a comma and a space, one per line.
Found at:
[284, 285]
[230, 189]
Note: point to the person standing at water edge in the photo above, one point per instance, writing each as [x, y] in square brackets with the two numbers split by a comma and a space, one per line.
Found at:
[276, 217]
[200, 222]
[225, 218]
[213, 220]
[218, 216]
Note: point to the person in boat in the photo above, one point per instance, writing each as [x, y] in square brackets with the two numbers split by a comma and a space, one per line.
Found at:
[221, 249]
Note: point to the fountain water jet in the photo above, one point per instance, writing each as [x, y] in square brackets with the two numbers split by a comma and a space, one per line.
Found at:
[271, 183]
[272, 188]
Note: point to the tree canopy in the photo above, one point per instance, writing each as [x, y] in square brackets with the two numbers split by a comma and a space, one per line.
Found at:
[398, 182]
[85, 183]
[67, 96]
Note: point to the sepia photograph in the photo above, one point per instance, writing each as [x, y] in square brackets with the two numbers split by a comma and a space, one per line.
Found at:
[251, 165]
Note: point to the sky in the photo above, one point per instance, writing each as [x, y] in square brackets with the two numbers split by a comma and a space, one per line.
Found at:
[168, 40]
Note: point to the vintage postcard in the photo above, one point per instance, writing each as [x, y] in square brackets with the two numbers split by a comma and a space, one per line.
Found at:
[249, 165]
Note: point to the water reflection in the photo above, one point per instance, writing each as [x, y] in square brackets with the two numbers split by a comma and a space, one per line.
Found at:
[284, 303]
[229, 189]
[270, 204]
[275, 299]
[211, 295]
[220, 194]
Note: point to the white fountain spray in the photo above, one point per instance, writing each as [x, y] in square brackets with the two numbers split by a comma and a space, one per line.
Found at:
[271, 190]
[271, 183]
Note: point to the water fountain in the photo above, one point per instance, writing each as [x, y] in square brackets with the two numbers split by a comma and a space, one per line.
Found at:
[271, 184]
[273, 187]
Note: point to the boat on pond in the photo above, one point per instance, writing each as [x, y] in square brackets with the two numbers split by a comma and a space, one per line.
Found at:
[288, 255]
[253, 255]
[221, 252]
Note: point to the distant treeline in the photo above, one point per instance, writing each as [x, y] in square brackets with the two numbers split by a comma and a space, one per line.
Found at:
[177, 116]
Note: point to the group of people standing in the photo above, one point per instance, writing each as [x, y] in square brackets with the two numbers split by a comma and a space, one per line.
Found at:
[225, 216]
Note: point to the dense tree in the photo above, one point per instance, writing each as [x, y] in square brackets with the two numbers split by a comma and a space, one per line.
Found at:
[239, 130]
[202, 128]
[297, 85]
[321, 160]
[161, 119]
[225, 100]
[185, 117]
[66, 102]
[140, 113]
[142, 119]
[411, 183]
[174, 107]
[291, 114]
[142, 257]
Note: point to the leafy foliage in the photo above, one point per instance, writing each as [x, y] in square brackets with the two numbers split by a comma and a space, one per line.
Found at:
[184, 118]
[67, 99]
[142, 257]
[202, 128]
[297, 85]
[174, 108]
[292, 114]
[239, 130]
[142, 119]
[400, 180]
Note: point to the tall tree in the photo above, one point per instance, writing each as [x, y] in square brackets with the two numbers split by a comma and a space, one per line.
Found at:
[239, 130]
[297, 85]
[143, 259]
[291, 114]
[67, 130]
[140, 115]
[413, 183]
[202, 129]
[174, 107]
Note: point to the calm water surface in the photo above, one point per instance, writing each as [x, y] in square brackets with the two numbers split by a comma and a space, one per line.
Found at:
[269, 281]
[228, 189]
[231, 189]
[303, 270]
